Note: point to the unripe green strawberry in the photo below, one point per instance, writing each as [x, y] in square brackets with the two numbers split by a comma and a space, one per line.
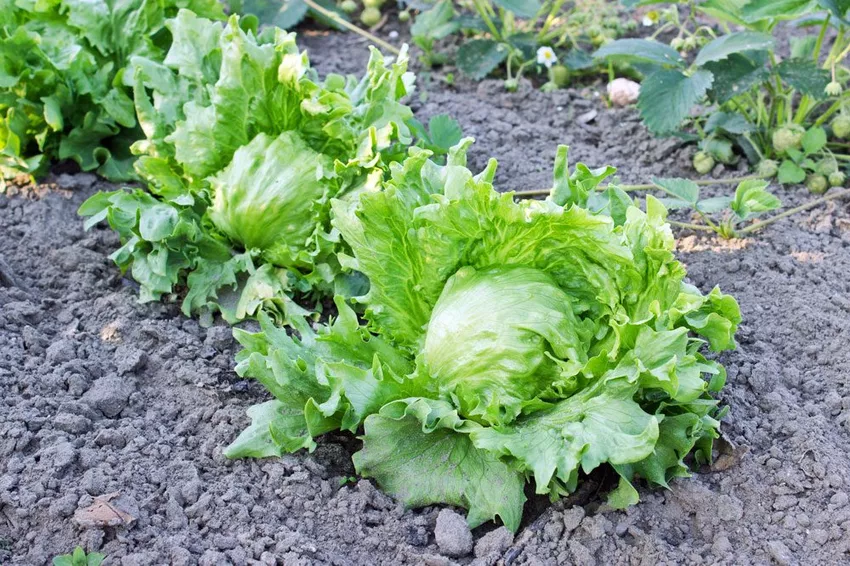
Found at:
[767, 168]
[826, 167]
[841, 126]
[404, 16]
[370, 17]
[836, 179]
[833, 89]
[348, 6]
[690, 43]
[511, 85]
[817, 183]
[600, 40]
[560, 75]
[703, 162]
[788, 137]
[612, 22]
[677, 43]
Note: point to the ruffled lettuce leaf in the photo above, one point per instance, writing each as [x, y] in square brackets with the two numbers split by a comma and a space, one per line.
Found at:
[600, 424]
[412, 435]
[321, 380]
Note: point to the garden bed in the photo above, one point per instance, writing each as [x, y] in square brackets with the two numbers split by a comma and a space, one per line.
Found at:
[103, 395]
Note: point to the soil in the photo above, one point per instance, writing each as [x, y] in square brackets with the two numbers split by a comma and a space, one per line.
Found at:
[132, 404]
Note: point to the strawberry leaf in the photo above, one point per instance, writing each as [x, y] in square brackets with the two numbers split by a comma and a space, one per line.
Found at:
[667, 96]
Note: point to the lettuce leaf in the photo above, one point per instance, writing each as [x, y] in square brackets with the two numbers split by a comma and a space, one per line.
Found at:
[408, 436]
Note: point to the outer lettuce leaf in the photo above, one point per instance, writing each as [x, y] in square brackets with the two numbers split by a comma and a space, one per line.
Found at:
[601, 424]
[321, 380]
[676, 438]
[397, 260]
[409, 436]
[245, 142]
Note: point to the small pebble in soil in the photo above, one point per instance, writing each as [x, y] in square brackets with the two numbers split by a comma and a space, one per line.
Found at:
[452, 533]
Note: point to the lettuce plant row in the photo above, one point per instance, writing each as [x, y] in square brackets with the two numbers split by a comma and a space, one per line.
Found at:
[66, 78]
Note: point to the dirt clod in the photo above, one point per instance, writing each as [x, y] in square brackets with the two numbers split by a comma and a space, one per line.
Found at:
[495, 542]
[452, 534]
[109, 395]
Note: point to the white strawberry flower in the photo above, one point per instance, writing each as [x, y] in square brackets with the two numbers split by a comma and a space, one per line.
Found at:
[545, 56]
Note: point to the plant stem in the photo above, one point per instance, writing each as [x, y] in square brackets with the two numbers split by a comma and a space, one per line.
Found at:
[795, 210]
[803, 109]
[647, 186]
[836, 47]
[841, 55]
[689, 226]
[836, 106]
[553, 12]
[701, 182]
[482, 11]
[351, 27]
[821, 35]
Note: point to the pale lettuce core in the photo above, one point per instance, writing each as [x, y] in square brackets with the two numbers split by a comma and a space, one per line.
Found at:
[490, 337]
[265, 198]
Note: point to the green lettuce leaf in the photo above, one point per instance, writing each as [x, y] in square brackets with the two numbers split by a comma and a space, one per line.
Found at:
[601, 424]
[321, 381]
[409, 436]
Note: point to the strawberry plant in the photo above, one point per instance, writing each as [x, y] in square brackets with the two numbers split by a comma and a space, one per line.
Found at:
[518, 36]
[727, 216]
[735, 92]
